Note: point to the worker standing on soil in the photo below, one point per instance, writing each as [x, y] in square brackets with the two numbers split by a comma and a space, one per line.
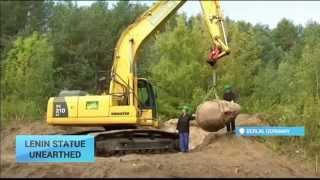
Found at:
[230, 95]
[183, 127]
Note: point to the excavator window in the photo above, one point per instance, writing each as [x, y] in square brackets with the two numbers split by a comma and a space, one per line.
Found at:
[146, 95]
[143, 97]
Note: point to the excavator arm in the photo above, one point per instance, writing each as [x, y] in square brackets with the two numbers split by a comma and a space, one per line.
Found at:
[214, 19]
[123, 86]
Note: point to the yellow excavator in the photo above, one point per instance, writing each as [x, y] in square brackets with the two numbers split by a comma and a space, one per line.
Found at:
[128, 111]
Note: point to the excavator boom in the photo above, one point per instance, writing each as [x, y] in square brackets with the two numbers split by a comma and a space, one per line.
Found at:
[124, 68]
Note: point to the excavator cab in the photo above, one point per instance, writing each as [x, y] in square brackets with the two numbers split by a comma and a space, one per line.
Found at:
[147, 97]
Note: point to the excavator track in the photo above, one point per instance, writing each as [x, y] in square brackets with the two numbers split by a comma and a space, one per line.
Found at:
[129, 141]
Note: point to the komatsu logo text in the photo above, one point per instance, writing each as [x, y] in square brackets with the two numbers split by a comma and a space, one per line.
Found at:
[120, 113]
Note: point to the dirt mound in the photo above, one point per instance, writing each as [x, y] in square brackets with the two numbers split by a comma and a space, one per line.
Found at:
[249, 120]
[8, 133]
[200, 138]
[197, 135]
[213, 155]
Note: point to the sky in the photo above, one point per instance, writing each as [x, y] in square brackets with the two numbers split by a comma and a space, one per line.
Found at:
[263, 12]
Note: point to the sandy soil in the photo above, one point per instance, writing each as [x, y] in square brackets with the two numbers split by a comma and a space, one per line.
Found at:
[212, 155]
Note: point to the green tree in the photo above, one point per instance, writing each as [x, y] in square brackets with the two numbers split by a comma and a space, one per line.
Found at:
[22, 18]
[270, 53]
[289, 93]
[242, 66]
[28, 75]
[178, 71]
[84, 39]
[308, 76]
[285, 35]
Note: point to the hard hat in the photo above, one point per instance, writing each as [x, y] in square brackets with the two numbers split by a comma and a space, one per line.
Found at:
[227, 87]
[185, 107]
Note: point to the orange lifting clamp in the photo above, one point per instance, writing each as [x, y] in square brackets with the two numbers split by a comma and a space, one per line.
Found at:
[214, 55]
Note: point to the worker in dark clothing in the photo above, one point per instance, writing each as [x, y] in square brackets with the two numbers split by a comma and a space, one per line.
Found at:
[183, 127]
[230, 95]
